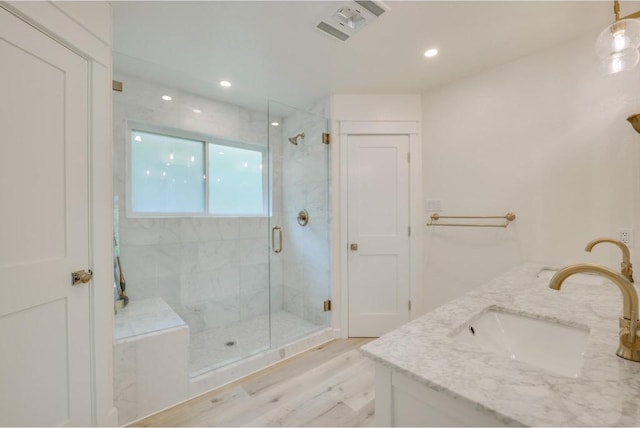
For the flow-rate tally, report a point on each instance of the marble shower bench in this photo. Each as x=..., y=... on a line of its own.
x=151, y=359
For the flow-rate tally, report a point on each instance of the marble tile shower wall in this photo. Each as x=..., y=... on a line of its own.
x=306, y=182
x=212, y=271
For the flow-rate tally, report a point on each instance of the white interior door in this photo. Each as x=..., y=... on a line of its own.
x=378, y=223
x=44, y=234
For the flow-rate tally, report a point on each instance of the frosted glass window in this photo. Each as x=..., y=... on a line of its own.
x=195, y=175
x=236, y=180
x=167, y=174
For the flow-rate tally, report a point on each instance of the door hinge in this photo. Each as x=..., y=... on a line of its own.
x=409, y=304
x=409, y=230
x=327, y=305
x=326, y=138
x=408, y=157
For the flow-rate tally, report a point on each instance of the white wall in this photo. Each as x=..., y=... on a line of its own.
x=544, y=137
x=375, y=107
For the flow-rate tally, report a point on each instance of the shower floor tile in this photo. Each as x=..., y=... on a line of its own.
x=216, y=347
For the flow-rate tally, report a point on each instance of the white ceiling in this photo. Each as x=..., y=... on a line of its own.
x=271, y=49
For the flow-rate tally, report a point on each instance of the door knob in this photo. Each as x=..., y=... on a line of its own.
x=353, y=247
x=81, y=277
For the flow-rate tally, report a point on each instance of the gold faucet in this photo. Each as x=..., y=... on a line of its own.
x=625, y=267
x=629, y=347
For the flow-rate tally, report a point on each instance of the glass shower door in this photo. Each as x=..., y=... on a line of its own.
x=206, y=262
x=299, y=222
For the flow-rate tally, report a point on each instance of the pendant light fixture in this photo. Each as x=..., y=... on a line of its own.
x=617, y=45
x=634, y=119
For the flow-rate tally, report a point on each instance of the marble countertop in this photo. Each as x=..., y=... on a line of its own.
x=606, y=393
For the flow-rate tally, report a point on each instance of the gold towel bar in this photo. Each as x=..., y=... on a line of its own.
x=508, y=219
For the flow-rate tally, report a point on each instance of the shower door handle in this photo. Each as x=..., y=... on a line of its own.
x=277, y=250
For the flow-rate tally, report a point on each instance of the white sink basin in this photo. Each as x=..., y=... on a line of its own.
x=543, y=343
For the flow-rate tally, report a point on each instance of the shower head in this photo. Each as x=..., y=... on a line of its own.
x=294, y=140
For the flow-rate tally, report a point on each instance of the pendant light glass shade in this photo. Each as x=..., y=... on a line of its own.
x=618, y=36
x=620, y=61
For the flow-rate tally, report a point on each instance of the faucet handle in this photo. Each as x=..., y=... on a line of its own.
x=626, y=268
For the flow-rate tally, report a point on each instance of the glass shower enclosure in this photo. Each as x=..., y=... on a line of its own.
x=299, y=222
x=222, y=215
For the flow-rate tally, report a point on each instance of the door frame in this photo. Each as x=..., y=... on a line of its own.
x=341, y=292
x=92, y=41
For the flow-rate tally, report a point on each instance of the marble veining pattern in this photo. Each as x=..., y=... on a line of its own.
x=214, y=271
x=604, y=394
x=218, y=273
x=150, y=353
x=306, y=255
x=198, y=265
x=143, y=317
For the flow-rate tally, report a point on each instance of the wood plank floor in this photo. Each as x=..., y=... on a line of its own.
x=330, y=385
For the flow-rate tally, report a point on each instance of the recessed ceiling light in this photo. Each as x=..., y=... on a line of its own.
x=225, y=83
x=274, y=124
x=195, y=110
x=166, y=98
x=430, y=53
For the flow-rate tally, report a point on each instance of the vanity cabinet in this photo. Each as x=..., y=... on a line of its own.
x=401, y=401
x=425, y=376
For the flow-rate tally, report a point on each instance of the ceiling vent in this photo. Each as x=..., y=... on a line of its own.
x=347, y=18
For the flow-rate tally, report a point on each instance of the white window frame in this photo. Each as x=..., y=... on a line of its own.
x=206, y=140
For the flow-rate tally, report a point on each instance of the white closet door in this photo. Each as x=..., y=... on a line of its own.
x=45, y=374
x=378, y=222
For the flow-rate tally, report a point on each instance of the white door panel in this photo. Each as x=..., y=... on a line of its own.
x=44, y=320
x=378, y=222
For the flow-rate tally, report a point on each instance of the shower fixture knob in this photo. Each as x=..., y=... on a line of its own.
x=303, y=218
